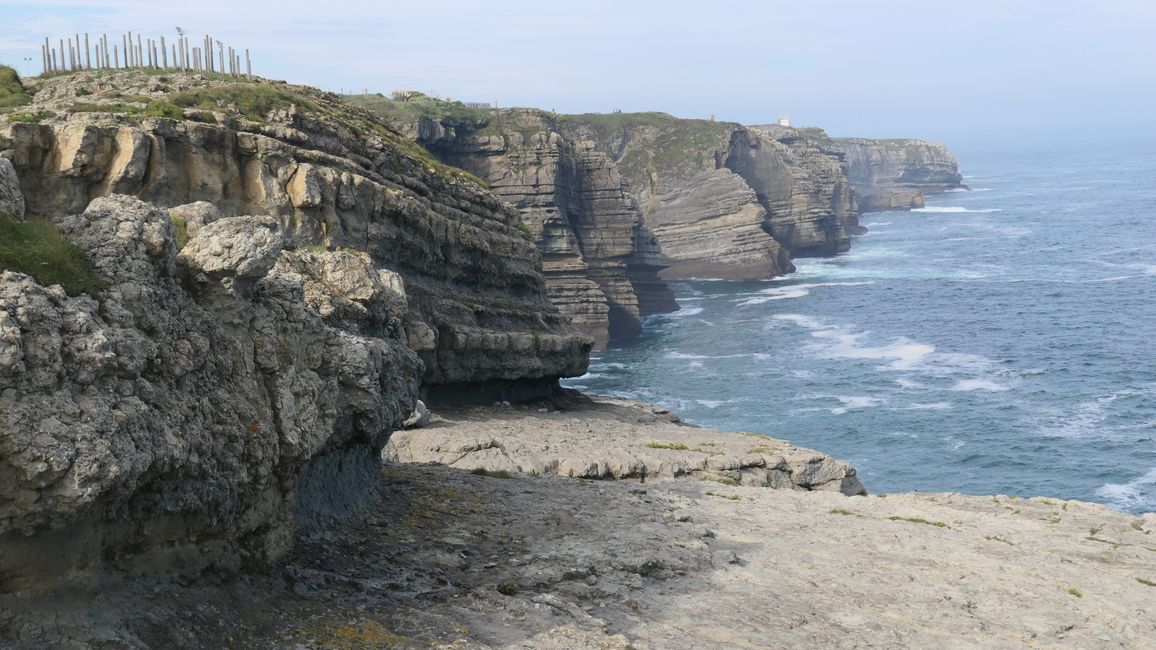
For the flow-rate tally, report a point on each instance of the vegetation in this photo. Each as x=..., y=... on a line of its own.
x=919, y=520
x=181, y=227
x=12, y=92
x=725, y=480
x=482, y=471
x=841, y=511
x=1146, y=582
x=1075, y=592
x=509, y=588
x=132, y=106
x=732, y=497
x=37, y=248
x=252, y=100
x=676, y=446
x=997, y=538
x=29, y=117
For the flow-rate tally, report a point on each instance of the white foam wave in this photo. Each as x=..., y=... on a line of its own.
x=932, y=406
x=876, y=223
x=856, y=402
x=978, y=384
x=901, y=354
x=793, y=291
x=951, y=209
x=1137, y=495
x=687, y=311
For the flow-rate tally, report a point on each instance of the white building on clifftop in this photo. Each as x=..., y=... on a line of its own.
x=784, y=120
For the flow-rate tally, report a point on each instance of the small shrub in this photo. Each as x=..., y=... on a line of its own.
x=509, y=588
x=482, y=471
x=37, y=248
x=181, y=228
x=1075, y=592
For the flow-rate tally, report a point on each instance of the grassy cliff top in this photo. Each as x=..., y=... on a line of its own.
x=242, y=103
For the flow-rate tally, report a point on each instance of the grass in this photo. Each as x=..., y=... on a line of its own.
x=732, y=497
x=920, y=520
x=676, y=446
x=254, y=101
x=181, y=227
x=37, y=248
x=1148, y=583
x=28, y=117
x=1075, y=592
x=841, y=511
x=997, y=538
x=725, y=480
x=12, y=92
x=482, y=471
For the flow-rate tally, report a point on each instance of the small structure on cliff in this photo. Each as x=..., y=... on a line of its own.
x=784, y=120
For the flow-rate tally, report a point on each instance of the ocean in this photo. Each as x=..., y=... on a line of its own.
x=999, y=341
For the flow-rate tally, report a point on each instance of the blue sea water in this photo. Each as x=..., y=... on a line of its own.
x=1000, y=341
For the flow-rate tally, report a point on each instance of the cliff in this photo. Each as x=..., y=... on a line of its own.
x=894, y=174
x=222, y=378
x=600, y=259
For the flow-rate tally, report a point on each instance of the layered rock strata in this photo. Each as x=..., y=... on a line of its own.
x=895, y=174
x=331, y=176
x=600, y=260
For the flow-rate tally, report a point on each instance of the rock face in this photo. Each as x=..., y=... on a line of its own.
x=175, y=421
x=599, y=259
x=333, y=177
x=894, y=174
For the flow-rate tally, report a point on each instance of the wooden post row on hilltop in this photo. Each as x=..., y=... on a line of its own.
x=75, y=53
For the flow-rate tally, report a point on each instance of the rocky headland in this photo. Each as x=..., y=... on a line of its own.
x=220, y=303
x=619, y=203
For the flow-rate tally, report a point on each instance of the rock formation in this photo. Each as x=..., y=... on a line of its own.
x=894, y=174
x=280, y=278
x=332, y=176
x=174, y=421
x=599, y=258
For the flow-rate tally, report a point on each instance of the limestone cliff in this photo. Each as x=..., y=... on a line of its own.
x=232, y=376
x=600, y=259
x=729, y=201
x=332, y=176
x=894, y=174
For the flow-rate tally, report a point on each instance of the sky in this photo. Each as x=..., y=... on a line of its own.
x=875, y=68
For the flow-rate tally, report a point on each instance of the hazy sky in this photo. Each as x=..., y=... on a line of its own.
x=872, y=67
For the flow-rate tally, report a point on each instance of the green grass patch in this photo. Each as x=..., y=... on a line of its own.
x=997, y=538
x=254, y=101
x=37, y=248
x=920, y=520
x=501, y=473
x=676, y=446
x=841, y=511
x=509, y=588
x=181, y=228
x=1075, y=592
x=1146, y=582
x=29, y=117
x=12, y=92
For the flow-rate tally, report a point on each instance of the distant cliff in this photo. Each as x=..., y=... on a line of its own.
x=619, y=202
x=895, y=174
